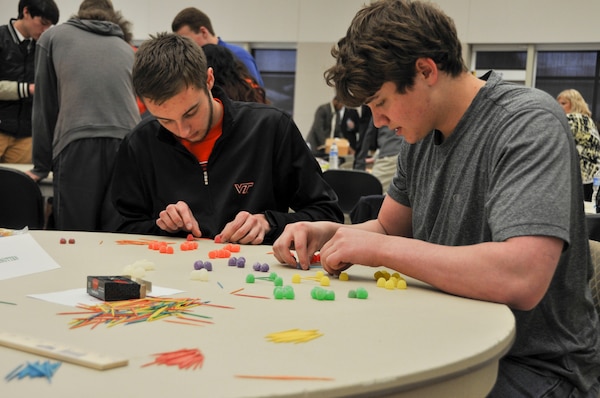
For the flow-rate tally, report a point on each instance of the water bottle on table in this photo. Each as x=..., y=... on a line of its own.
x=333, y=155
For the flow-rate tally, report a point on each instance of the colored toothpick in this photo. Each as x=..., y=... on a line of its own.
x=184, y=359
x=284, y=377
x=142, y=310
x=293, y=336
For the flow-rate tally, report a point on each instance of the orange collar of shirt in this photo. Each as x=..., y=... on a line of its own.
x=203, y=149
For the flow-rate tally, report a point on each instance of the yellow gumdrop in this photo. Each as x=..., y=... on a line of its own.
x=197, y=275
x=148, y=265
x=401, y=284
x=325, y=281
x=393, y=280
x=344, y=276
x=377, y=275
x=386, y=275
x=128, y=270
x=319, y=274
x=381, y=282
x=396, y=275
x=296, y=278
x=389, y=284
x=138, y=272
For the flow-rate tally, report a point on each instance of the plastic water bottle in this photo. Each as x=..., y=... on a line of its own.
x=595, y=198
x=333, y=156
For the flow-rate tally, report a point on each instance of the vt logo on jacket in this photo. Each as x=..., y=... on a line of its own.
x=243, y=187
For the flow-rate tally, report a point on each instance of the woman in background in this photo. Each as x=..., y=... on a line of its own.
x=586, y=136
x=232, y=75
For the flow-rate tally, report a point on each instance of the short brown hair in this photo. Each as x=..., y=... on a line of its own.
x=194, y=18
x=383, y=43
x=166, y=64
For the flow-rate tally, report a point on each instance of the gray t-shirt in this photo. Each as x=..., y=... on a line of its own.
x=510, y=169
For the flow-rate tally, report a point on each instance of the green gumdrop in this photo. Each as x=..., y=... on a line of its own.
x=362, y=293
x=330, y=295
x=352, y=294
x=278, y=293
x=321, y=293
x=250, y=278
x=313, y=292
x=272, y=276
x=288, y=292
x=278, y=281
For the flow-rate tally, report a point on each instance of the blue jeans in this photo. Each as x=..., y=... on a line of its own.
x=518, y=381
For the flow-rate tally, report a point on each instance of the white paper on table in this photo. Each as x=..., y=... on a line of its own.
x=73, y=297
x=22, y=255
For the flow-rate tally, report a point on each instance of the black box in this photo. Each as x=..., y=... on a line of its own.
x=114, y=288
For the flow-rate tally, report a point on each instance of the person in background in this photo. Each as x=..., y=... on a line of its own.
x=84, y=106
x=17, y=53
x=345, y=123
x=232, y=75
x=586, y=136
x=364, y=122
x=193, y=23
x=386, y=145
x=208, y=166
x=486, y=203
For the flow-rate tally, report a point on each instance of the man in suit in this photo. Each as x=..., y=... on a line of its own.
x=345, y=123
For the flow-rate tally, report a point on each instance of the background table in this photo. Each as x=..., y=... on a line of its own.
x=405, y=343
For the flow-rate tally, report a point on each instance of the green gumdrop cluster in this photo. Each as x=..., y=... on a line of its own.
x=284, y=292
x=360, y=293
x=318, y=293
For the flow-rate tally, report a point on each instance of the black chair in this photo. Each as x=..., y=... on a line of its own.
x=593, y=226
x=351, y=185
x=21, y=201
x=366, y=209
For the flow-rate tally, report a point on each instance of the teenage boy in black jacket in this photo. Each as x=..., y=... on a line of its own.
x=207, y=165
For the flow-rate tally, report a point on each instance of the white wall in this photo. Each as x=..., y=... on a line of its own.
x=313, y=26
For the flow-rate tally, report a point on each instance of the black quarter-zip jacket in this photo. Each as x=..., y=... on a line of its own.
x=260, y=164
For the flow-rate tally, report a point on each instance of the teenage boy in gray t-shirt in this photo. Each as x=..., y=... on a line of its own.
x=487, y=201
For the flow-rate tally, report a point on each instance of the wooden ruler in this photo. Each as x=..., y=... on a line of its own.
x=60, y=352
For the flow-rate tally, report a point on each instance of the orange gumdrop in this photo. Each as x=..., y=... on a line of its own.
x=234, y=248
x=223, y=253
